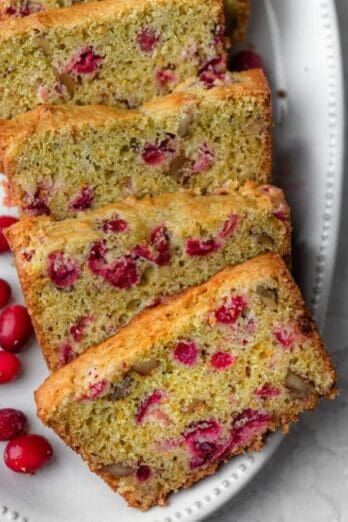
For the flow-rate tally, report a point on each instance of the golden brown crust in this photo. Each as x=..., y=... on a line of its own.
x=116, y=355
x=72, y=16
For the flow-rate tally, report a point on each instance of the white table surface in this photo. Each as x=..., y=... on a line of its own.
x=307, y=478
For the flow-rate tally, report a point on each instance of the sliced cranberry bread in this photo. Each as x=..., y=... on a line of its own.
x=188, y=384
x=236, y=11
x=116, y=52
x=62, y=159
x=85, y=277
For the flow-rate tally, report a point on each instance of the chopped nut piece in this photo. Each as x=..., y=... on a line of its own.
x=297, y=386
x=269, y=296
x=146, y=367
x=120, y=390
x=44, y=45
x=119, y=469
x=69, y=83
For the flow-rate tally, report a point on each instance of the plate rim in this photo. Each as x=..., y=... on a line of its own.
x=200, y=508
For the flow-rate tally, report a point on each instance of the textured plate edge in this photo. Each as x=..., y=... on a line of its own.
x=326, y=255
x=325, y=261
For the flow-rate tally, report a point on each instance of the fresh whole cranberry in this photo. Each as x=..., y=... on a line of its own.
x=62, y=269
x=15, y=328
x=245, y=60
x=186, y=353
x=12, y=423
x=10, y=367
x=5, y=293
x=147, y=40
x=5, y=221
x=27, y=453
x=201, y=247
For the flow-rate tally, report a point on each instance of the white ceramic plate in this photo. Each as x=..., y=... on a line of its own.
x=299, y=42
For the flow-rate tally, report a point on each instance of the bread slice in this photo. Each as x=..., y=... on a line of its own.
x=189, y=384
x=84, y=278
x=62, y=159
x=115, y=52
x=237, y=12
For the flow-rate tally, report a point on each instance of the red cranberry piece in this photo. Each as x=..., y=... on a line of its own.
x=245, y=60
x=12, y=423
x=123, y=273
x=36, y=205
x=204, y=159
x=159, y=240
x=229, y=227
x=201, y=247
x=114, y=224
x=66, y=354
x=77, y=329
x=201, y=439
x=83, y=200
x=147, y=39
x=143, y=472
x=10, y=367
x=148, y=405
x=267, y=391
x=222, y=360
x=96, y=389
x=164, y=77
x=62, y=269
x=27, y=453
x=186, y=352
x=15, y=328
x=5, y=293
x=152, y=155
x=212, y=70
x=86, y=61
x=284, y=335
x=280, y=213
x=5, y=221
x=233, y=308
x=11, y=11
x=246, y=425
